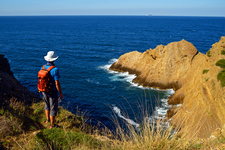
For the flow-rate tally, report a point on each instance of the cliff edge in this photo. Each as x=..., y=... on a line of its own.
x=193, y=76
x=11, y=88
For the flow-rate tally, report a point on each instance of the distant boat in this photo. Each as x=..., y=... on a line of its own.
x=149, y=15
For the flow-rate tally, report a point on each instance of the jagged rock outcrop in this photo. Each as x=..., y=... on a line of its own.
x=10, y=87
x=164, y=67
x=191, y=74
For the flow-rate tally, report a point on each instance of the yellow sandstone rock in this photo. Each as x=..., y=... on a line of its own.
x=191, y=74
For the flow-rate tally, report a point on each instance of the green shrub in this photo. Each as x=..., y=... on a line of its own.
x=221, y=77
x=221, y=63
x=2, y=111
x=223, y=52
x=205, y=71
x=208, y=54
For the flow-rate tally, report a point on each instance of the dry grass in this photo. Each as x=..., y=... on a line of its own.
x=22, y=127
x=12, y=118
x=152, y=134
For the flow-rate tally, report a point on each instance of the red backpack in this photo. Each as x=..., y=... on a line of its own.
x=44, y=84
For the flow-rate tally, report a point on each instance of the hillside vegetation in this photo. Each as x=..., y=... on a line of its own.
x=23, y=127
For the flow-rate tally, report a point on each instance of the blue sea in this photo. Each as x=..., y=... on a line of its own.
x=88, y=45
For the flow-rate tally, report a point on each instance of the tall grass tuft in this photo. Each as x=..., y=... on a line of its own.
x=151, y=134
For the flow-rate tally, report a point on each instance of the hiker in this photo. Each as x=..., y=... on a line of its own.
x=51, y=95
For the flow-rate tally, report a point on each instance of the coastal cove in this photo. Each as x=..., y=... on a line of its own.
x=88, y=45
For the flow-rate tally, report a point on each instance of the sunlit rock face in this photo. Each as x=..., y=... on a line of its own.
x=191, y=74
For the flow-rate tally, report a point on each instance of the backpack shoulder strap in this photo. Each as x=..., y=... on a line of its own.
x=43, y=67
x=50, y=68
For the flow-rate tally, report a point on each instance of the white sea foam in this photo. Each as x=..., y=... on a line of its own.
x=170, y=92
x=164, y=100
x=130, y=78
x=178, y=105
x=92, y=81
x=160, y=112
x=117, y=76
x=112, y=61
x=138, y=86
x=118, y=112
x=105, y=67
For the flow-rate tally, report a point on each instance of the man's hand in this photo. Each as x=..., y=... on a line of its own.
x=58, y=86
x=61, y=96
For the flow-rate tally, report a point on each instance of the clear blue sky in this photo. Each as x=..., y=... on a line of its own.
x=113, y=7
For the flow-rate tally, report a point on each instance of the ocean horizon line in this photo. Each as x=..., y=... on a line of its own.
x=145, y=15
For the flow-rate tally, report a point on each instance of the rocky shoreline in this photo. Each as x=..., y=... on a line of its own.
x=191, y=74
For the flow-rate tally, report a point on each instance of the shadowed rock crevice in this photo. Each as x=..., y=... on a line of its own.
x=194, y=56
x=120, y=68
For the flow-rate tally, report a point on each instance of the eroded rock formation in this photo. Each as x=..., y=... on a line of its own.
x=191, y=74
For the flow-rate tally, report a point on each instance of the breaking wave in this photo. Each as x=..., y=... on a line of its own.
x=130, y=121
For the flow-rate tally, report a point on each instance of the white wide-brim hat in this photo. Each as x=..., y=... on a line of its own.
x=50, y=57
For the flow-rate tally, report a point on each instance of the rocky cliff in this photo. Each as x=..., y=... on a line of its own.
x=10, y=87
x=191, y=74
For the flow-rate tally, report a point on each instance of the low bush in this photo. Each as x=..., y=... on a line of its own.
x=221, y=77
x=223, y=52
x=208, y=54
x=205, y=71
x=221, y=63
